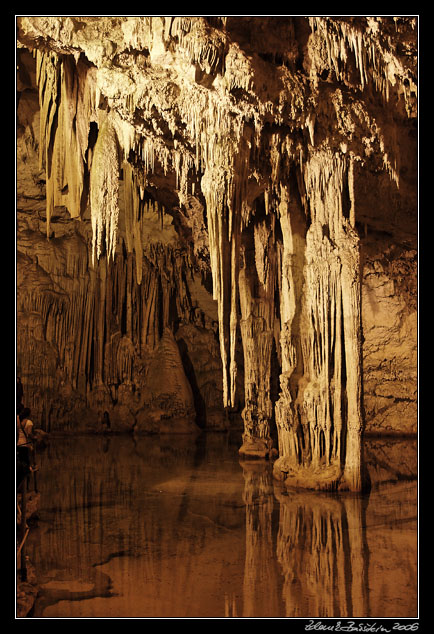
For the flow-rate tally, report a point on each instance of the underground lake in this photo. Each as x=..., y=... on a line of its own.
x=181, y=527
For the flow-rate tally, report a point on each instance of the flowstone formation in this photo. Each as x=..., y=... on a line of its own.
x=238, y=156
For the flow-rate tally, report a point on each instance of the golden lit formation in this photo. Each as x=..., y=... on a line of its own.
x=217, y=231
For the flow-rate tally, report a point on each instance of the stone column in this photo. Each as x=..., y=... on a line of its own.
x=256, y=284
x=319, y=413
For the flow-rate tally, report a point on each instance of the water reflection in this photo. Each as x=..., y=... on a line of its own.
x=172, y=527
x=321, y=546
x=261, y=574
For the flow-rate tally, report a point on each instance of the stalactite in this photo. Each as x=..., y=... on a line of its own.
x=47, y=66
x=133, y=231
x=67, y=106
x=195, y=42
x=373, y=61
x=224, y=186
x=104, y=190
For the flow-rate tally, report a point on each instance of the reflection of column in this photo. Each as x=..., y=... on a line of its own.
x=359, y=553
x=260, y=593
x=321, y=546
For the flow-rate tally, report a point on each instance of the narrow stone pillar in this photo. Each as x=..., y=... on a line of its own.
x=256, y=284
x=351, y=294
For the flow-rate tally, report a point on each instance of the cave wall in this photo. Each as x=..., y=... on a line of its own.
x=390, y=326
x=108, y=335
x=91, y=340
x=234, y=198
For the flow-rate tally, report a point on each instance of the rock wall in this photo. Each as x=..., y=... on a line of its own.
x=250, y=179
x=92, y=339
x=390, y=328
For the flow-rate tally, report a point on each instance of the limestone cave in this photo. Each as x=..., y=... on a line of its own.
x=217, y=244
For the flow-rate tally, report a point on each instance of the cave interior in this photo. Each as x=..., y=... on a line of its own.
x=217, y=229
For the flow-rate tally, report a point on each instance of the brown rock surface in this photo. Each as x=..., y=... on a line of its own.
x=390, y=323
x=168, y=393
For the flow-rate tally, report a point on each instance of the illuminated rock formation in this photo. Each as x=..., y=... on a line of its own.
x=262, y=147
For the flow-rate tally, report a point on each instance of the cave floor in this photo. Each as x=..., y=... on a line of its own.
x=180, y=527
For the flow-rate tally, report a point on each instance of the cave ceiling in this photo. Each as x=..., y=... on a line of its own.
x=180, y=90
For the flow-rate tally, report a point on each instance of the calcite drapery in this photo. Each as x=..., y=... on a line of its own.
x=269, y=134
x=67, y=96
x=104, y=189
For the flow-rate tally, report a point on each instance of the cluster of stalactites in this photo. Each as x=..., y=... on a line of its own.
x=224, y=151
x=69, y=103
x=104, y=191
x=328, y=181
x=138, y=208
x=223, y=202
x=79, y=170
x=373, y=61
x=195, y=41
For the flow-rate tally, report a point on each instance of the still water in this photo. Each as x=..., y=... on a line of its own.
x=180, y=527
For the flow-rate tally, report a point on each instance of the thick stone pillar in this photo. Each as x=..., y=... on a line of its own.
x=319, y=412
